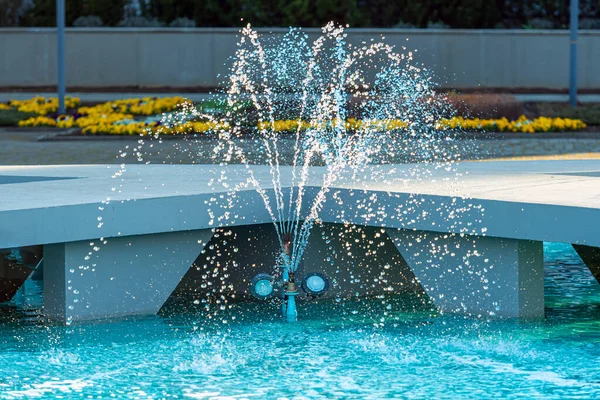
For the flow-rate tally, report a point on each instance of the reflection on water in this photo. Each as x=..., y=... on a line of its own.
x=371, y=349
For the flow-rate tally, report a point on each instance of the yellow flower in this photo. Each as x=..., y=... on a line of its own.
x=117, y=118
x=136, y=106
x=38, y=121
x=41, y=105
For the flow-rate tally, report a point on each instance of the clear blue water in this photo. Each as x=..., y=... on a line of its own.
x=338, y=350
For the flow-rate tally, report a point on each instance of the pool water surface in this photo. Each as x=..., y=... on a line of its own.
x=371, y=349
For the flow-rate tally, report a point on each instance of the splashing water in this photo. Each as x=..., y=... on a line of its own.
x=304, y=118
x=334, y=352
x=343, y=104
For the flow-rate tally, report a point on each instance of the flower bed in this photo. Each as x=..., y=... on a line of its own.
x=41, y=105
x=522, y=124
x=100, y=119
x=135, y=106
x=141, y=116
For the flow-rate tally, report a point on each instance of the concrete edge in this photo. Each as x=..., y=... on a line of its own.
x=70, y=135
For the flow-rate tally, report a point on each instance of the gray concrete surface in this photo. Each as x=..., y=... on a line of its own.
x=446, y=222
x=98, y=57
x=482, y=276
x=128, y=277
x=21, y=147
x=100, y=97
x=507, y=199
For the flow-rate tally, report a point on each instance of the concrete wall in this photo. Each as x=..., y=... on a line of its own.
x=195, y=57
x=370, y=266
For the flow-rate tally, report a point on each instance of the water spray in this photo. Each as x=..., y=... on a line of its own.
x=312, y=92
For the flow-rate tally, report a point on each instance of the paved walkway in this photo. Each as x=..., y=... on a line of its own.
x=21, y=147
x=104, y=97
x=101, y=97
x=573, y=156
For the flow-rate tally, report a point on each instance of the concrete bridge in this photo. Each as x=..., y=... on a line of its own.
x=470, y=235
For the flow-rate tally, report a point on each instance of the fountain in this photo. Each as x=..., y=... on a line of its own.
x=339, y=105
x=320, y=130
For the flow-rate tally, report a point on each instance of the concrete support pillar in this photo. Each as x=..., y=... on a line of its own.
x=125, y=276
x=591, y=257
x=478, y=276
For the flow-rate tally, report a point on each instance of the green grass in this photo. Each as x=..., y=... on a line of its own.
x=12, y=117
x=588, y=113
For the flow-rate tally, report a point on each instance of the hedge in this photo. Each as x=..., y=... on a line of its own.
x=315, y=13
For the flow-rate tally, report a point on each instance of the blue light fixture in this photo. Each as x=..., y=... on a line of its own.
x=315, y=284
x=262, y=287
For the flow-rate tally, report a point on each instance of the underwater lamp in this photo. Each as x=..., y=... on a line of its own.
x=315, y=284
x=262, y=286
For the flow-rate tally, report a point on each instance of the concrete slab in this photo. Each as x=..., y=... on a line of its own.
x=539, y=200
x=517, y=205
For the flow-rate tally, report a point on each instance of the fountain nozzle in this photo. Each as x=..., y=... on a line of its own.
x=290, y=291
x=290, y=285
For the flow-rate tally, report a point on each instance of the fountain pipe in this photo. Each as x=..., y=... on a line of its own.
x=284, y=278
x=288, y=308
x=291, y=292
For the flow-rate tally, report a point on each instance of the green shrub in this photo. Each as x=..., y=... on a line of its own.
x=465, y=14
x=587, y=112
x=182, y=23
x=43, y=12
x=404, y=25
x=437, y=25
x=140, y=22
x=540, y=23
x=88, y=21
x=12, y=117
x=10, y=12
x=589, y=23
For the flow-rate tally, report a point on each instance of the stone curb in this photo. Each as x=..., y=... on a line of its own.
x=69, y=135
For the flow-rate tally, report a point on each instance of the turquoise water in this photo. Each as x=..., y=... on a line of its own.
x=374, y=349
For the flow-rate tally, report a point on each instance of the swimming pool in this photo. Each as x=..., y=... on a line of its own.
x=373, y=349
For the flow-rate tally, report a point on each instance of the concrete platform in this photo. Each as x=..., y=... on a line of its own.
x=555, y=201
x=520, y=203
